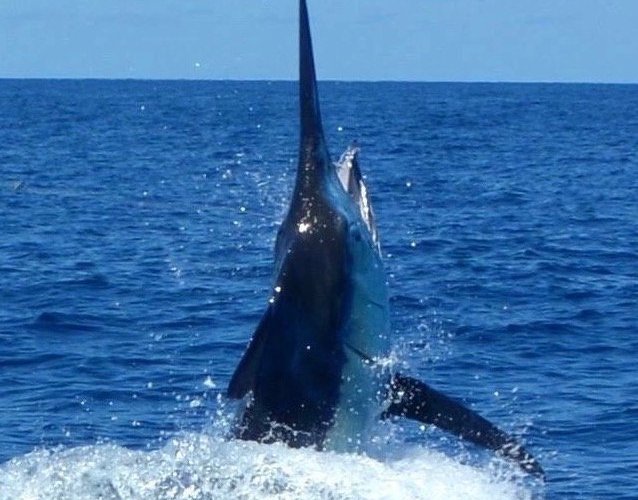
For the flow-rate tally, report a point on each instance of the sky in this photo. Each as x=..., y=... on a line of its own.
x=405, y=40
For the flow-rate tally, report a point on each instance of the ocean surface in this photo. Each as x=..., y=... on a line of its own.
x=138, y=220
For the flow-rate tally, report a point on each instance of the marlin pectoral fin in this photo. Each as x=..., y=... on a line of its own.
x=416, y=400
x=244, y=377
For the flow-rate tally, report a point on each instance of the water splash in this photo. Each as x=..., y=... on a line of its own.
x=201, y=466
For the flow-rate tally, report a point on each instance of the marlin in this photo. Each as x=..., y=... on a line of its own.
x=313, y=374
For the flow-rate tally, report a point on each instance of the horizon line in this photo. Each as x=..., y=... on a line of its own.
x=327, y=80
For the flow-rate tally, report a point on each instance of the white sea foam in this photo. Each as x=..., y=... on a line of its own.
x=200, y=466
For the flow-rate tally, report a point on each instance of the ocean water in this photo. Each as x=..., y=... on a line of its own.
x=138, y=220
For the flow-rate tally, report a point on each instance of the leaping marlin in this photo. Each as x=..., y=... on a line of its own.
x=312, y=374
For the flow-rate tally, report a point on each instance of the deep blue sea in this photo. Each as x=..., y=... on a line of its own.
x=138, y=220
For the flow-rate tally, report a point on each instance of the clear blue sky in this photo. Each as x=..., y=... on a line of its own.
x=428, y=40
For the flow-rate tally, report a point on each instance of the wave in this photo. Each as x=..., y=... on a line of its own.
x=60, y=322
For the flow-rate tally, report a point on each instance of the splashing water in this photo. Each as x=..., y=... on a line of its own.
x=201, y=466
